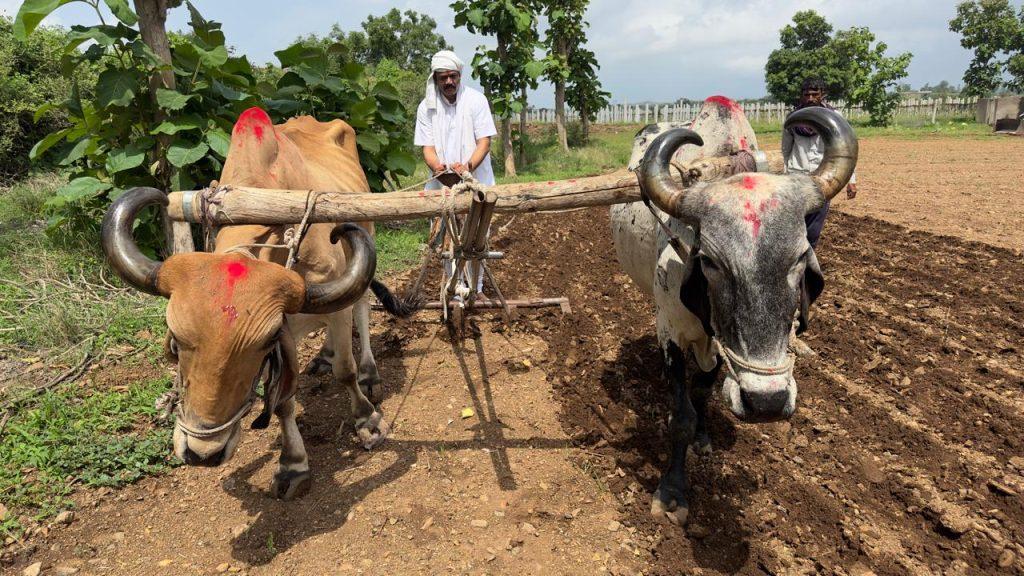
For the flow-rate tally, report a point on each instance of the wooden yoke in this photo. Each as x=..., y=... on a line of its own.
x=244, y=205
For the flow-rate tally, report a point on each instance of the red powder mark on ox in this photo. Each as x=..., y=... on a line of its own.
x=748, y=182
x=253, y=120
x=232, y=313
x=752, y=215
x=743, y=143
x=725, y=102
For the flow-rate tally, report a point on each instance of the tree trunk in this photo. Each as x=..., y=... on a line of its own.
x=522, y=132
x=152, y=20
x=506, y=147
x=585, y=124
x=563, y=139
x=506, y=122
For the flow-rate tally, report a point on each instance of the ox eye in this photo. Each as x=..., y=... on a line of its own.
x=708, y=263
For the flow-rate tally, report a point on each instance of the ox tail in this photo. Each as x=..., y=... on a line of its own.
x=402, y=307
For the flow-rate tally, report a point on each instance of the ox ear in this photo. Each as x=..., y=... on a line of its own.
x=810, y=288
x=694, y=294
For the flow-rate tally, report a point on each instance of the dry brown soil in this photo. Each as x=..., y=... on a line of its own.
x=905, y=456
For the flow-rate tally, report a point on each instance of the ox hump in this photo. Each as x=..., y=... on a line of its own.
x=253, y=124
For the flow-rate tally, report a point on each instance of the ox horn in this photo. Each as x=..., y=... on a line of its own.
x=655, y=177
x=840, y=159
x=343, y=292
x=124, y=255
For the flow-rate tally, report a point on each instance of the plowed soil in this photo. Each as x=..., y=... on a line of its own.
x=904, y=457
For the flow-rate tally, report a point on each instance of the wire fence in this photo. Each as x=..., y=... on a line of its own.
x=626, y=113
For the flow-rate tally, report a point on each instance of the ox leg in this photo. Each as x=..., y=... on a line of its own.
x=700, y=391
x=368, y=375
x=669, y=500
x=292, y=479
x=322, y=362
x=370, y=425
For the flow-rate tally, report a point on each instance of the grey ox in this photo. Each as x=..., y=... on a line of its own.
x=741, y=272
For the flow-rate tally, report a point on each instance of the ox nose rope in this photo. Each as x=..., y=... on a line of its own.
x=271, y=366
x=731, y=360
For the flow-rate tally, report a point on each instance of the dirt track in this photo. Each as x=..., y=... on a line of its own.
x=905, y=455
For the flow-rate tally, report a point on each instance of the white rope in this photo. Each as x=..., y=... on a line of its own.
x=729, y=358
x=292, y=236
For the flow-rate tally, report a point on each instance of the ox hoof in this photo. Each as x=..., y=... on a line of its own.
x=372, y=431
x=674, y=509
x=702, y=445
x=317, y=367
x=290, y=484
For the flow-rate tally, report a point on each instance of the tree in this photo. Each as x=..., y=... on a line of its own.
x=112, y=141
x=565, y=34
x=943, y=88
x=583, y=91
x=996, y=35
x=408, y=40
x=509, y=67
x=850, y=62
x=31, y=75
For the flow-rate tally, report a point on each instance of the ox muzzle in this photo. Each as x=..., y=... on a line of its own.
x=215, y=445
x=758, y=393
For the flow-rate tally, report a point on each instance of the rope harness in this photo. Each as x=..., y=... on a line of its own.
x=292, y=236
x=272, y=368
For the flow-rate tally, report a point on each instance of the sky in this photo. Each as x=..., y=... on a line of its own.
x=648, y=50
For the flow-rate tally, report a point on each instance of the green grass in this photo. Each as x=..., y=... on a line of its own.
x=398, y=247
x=74, y=437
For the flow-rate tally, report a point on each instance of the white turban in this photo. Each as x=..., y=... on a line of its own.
x=443, y=60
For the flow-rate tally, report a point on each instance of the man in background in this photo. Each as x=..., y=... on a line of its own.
x=804, y=149
x=454, y=126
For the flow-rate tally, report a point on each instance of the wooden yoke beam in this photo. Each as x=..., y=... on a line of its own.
x=244, y=205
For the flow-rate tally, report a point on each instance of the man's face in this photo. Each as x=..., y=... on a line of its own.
x=812, y=96
x=448, y=82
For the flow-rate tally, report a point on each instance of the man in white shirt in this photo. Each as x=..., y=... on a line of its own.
x=454, y=126
x=454, y=123
x=803, y=149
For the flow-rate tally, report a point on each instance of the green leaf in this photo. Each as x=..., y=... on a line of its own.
x=535, y=68
x=401, y=162
x=103, y=34
x=364, y=107
x=84, y=187
x=46, y=143
x=131, y=156
x=41, y=111
x=122, y=11
x=175, y=125
x=369, y=142
x=32, y=13
x=475, y=17
x=75, y=152
x=172, y=99
x=213, y=58
x=183, y=153
x=115, y=87
x=219, y=141
x=295, y=54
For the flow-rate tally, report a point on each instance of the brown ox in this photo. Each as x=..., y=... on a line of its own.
x=234, y=316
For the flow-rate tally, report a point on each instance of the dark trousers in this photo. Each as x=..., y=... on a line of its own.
x=815, y=222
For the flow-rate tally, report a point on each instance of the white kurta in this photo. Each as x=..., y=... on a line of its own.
x=804, y=154
x=453, y=129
